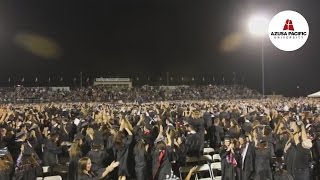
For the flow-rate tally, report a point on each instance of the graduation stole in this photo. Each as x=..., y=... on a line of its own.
x=147, y=132
x=162, y=153
x=231, y=159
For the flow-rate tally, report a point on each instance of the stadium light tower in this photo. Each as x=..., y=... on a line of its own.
x=258, y=26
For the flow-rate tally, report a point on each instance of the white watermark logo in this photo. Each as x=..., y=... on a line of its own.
x=288, y=30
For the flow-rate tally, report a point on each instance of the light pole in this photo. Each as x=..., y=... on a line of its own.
x=258, y=26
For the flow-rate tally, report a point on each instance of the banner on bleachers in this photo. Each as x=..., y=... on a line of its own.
x=112, y=80
x=60, y=88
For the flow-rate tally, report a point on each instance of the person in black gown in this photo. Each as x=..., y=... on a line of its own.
x=193, y=140
x=161, y=166
x=51, y=151
x=140, y=158
x=247, y=152
x=74, y=155
x=28, y=164
x=98, y=155
x=122, y=144
x=228, y=160
x=263, y=157
x=86, y=173
x=6, y=164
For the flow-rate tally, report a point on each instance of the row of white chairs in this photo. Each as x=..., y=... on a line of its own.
x=208, y=150
x=207, y=163
x=203, y=168
x=50, y=178
x=204, y=158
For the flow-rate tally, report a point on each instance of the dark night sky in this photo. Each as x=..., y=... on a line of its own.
x=127, y=38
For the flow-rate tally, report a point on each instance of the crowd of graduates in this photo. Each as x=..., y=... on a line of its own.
x=257, y=139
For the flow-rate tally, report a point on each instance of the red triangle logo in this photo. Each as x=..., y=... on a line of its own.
x=288, y=25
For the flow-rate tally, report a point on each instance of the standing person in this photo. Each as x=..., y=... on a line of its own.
x=263, y=155
x=6, y=164
x=140, y=158
x=21, y=137
x=27, y=165
x=85, y=172
x=51, y=151
x=193, y=140
x=197, y=123
x=247, y=158
x=228, y=160
x=217, y=133
x=74, y=155
x=161, y=166
x=98, y=155
x=297, y=152
x=234, y=129
x=121, y=145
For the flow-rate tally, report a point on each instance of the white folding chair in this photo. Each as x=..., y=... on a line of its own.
x=216, y=157
x=201, y=169
x=191, y=159
x=53, y=178
x=208, y=150
x=45, y=169
x=216, y=166
x=217, y=177
x=206, y=158
x=39, y=178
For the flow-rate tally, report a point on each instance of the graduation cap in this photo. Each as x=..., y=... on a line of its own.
x=227, y=137
x=20, y=134
x=84, y=124
x=78, y=136
x=115, y=126
x=4, y=151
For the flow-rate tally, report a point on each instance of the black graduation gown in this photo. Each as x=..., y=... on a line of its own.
x=199, y=124
x=15, y=149
x=248, y=165
x=73, y=169
x=37, y=145
x=50, y=153
x=262, y=164
x=122, y=156
x=5, y=175
x=215, y=134
x=140, y=159
x=98, y=159
x=87, y=145
x=228, y=170
x=30, y=174
x=27, y=169
x=193, y=145
x=282, y=176
x=90, y=176
x=161, y=169
x=297, y=161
